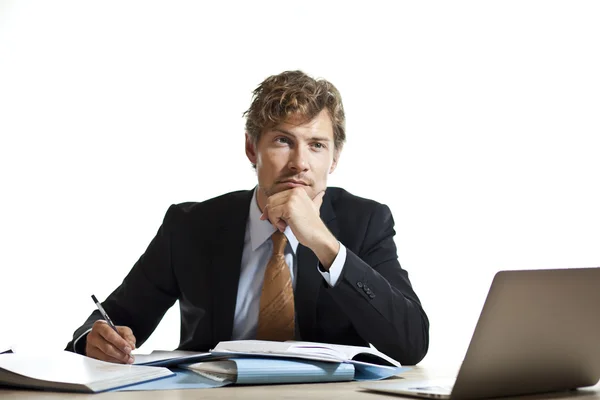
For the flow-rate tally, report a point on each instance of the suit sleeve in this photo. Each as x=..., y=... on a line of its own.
x=377, y=296
x=145, y=294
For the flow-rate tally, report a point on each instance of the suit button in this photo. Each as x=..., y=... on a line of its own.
x=359, y=284
x=372, y=295
x=368, y=291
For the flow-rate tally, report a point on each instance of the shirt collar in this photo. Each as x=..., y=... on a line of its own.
x=261, y=231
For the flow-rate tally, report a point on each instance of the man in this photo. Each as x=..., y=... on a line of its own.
x=291, y=259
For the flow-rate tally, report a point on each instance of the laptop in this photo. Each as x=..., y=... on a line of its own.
x=538, y=332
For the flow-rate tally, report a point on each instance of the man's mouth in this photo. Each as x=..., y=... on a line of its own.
x=293, y=182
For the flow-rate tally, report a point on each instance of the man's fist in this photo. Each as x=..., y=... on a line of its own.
x=104, y=344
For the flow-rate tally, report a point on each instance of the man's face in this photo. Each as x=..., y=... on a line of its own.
x=294, y=154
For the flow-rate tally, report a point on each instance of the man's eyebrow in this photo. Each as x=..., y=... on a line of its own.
x=320, y=139
x=284, y=131
x=313, y=138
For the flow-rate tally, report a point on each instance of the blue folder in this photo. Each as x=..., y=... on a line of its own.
x=260, y=371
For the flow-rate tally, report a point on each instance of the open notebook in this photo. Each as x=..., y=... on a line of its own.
x=66, y=371
x=289, y=349
x=305, y=350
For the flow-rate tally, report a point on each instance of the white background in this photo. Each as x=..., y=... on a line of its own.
x=478, y=123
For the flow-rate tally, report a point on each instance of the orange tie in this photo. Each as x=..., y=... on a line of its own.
x=276, y=315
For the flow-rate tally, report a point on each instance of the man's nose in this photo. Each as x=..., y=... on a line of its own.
x=298, y=161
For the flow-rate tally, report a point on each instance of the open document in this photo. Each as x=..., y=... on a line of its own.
x=72, y=372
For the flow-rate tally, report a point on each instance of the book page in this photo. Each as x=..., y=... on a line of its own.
x=278, y=349
x=71, y=369
x=308, y=350
x=357, y=353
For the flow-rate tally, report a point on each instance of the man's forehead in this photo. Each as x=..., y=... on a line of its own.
x=298, y=119
x=295, y=124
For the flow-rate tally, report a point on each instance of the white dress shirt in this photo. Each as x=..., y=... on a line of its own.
x=256, y=254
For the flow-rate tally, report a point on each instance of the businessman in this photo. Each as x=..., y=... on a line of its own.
x=290, y=259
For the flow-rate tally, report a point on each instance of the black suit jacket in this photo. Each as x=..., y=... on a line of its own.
x=196, y=255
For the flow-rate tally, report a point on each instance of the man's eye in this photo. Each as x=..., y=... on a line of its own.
x=318, y=145
x=282, y=140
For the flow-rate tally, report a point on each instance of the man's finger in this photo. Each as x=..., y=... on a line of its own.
x=111, y=351
x=114, y=339
x=98, y=347
x=98, y=354
x=274, y=215
x=127, y=334
x=281, y=225
x=265, y=214
x=282, y=197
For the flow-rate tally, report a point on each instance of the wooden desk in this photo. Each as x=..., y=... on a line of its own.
x=329, y=391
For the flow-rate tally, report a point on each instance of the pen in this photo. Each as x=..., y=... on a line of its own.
x=105, y=315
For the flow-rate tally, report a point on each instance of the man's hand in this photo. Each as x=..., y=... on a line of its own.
x=104, y=344
x=294, y=208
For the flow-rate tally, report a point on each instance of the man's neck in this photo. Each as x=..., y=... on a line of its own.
x=261, y=198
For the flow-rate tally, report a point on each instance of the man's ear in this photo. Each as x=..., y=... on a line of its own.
x=336, y=157
x=251, y=149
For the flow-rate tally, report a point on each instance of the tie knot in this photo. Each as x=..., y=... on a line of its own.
x=279, y=242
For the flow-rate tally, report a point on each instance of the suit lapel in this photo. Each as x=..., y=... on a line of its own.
x=309, y=280
x=228, y=245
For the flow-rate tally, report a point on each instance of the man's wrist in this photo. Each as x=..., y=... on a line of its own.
x=326, y=249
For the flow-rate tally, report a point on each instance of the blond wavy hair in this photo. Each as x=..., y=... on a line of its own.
x=293, y=93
